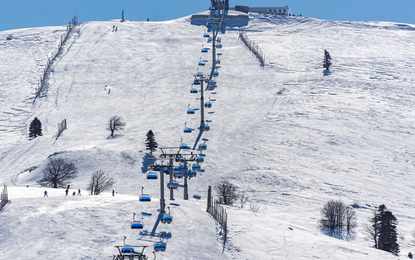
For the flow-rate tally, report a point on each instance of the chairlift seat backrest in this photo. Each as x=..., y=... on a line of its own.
x=145, y=198
x=136, y=225
x=152, y=176
x=127, y=250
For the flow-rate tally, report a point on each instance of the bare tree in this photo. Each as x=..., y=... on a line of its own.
x=227, y=192
x=115, y=124
x=336, y=215
x=243, y=199
x=58, y=173
x=99, y=182
x=350, y=219
x=253, y=207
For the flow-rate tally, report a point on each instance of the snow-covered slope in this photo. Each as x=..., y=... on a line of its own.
x=290, y=137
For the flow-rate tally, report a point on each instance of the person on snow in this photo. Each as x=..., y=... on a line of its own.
x=46, y=194
x=66, y=191
x=74, y=193
x=79, y=192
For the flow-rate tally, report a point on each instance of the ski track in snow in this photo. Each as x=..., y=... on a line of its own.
x=288, y=136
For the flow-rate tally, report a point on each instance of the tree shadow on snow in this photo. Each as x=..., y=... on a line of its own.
x=114, y=137
x=147, y=162
x=342, y=235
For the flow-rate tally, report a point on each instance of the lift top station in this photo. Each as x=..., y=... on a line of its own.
x=219, y=9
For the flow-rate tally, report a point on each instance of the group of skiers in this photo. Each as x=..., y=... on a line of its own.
x=74, y=193
x=114, y=28
x=66, y=192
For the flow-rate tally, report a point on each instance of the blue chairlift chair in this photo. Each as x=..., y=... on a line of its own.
x=166, y=218
x=160, y=246
x=196, y=167
x=202, y=146
x=190, y=111
x=144, y=197
x=172, y=185
x=136, y=224
x=178, y=174
x=152, y=175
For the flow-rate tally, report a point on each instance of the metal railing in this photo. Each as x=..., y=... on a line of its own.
x=215, y=209
x=253, y=47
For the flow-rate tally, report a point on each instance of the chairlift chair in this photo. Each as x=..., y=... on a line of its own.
x=183, y=168
x=136, y=224
x=196, y=167
x=190, y=111
x=187, y=129
x=167, y=218
x=151, y=175
x=200, y=159
x=144, y=197
x=178, y=174
x=215, y=74
x=201, y=63
x=172, y=185
x=160, y=246
x=202, y=146
x=208, y=104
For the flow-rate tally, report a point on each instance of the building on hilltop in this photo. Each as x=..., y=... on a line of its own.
x=263, y=10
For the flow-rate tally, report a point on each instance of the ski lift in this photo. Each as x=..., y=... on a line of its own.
x=151, y=175
x=201, y=63
x=215, y=74
x=206, y=128
x=187, y=129
x=190, y=111
x=208, y=104
x=200, y=159
x=160, y=246
x=183, y=146
x=136, y=224
x=194, y=91
x=217, y=61
x=144, y=197
x=166, y=171
x=187, y=174
x=209, y=26
x=206, y=35
x=205, y=50
x=218, y=46
x=166, y=218
x=202, y=146
x=212, y=8
x=172, y=185
x=178, y=174
x=183, y=168
x=211, y=87
x=196, y=167
x=130, y=252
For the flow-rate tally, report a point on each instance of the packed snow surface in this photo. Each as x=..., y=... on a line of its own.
x=289, y=135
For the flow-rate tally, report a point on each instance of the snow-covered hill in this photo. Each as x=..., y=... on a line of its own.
x=290, y=137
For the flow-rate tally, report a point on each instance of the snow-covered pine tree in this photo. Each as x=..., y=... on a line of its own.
x=35, y=128
x=383, y=230
x=151, y=143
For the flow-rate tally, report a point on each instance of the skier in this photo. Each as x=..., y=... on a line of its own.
x=74, y=193
x=112, y=192
x=46, y=194
x=79, y=192
x=66, y=191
